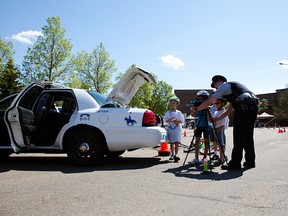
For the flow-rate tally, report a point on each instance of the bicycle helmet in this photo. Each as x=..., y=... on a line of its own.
x=203, y=93
x=175, y=99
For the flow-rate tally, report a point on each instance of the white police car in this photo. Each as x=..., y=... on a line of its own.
x=84, y=124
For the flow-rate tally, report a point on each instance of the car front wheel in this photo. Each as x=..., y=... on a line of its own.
x=5, y=153
x=85, y=147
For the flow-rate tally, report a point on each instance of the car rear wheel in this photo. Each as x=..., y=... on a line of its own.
x=85, y=147
x=114, y=154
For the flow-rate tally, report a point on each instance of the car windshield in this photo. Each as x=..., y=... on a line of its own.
x=100, y=98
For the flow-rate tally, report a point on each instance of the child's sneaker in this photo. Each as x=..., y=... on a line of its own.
x=215, y=157
x=171, y=159
x=218, y=163
x=194, y=161
x=176, y=159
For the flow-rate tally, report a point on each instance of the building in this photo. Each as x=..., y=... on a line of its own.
x=272, y=101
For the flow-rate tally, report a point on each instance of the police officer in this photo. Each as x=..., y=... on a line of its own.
x=245, y=105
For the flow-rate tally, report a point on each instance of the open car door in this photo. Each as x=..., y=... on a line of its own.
x=128, y=85
x=19, y=117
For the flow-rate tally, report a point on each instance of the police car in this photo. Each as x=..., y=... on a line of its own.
x=88, y=126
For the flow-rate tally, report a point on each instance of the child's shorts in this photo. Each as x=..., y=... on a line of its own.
x=221, y=136
x=199, y=130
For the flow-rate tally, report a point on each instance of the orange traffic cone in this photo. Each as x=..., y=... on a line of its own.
x=185, y=134
x=164, y=150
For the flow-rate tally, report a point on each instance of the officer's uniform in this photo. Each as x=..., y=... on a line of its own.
x=245, y=105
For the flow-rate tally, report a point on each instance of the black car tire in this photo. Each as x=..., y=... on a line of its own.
x=5, y=153
x=85, y=147
x=114, y=154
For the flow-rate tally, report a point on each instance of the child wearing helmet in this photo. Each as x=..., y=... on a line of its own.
x=174, y=120
x=202, y=126
x=220, y=126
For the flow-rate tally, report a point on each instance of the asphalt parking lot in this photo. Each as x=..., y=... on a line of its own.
x=143, y=183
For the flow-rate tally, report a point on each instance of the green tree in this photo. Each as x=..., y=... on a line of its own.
x=263, y=104
x=6, y=53
x=153, y=96
x=48, y=58
x=281, y=109
x=143, y=96
x=74, y=81
x=162, y=91
x=9, y=79
x=95, y=69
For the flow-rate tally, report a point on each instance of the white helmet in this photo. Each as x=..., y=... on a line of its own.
x=174, y=98
x=203, y=93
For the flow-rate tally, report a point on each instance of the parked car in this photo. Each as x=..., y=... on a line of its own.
x=88, y=126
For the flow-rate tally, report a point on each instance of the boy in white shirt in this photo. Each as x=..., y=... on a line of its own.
x=220, y=127
x=174, y=120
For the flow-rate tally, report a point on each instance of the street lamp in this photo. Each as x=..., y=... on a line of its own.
x=283, y=62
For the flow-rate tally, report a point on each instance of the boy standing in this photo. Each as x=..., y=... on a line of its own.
x=201, y=127
x=174, y=119
x=220, y=127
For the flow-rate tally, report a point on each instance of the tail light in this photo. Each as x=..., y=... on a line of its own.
x=149, y=118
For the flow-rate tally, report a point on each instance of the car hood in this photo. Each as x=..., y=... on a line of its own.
x=128, y=85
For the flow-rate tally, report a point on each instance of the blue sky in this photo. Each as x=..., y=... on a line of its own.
x=183, y=42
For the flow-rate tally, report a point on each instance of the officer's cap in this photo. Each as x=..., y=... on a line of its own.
x=217, y=78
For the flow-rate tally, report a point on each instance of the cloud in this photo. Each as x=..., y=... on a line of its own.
x=26, y=37
x=171, y=61
x=283, y=63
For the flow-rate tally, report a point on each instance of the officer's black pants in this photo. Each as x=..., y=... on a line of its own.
x=243, y=132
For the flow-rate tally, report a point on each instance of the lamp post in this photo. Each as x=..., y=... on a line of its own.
x=283, y=63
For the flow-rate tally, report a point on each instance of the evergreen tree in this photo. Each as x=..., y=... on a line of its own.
x=6, y=52
x=9, y=79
